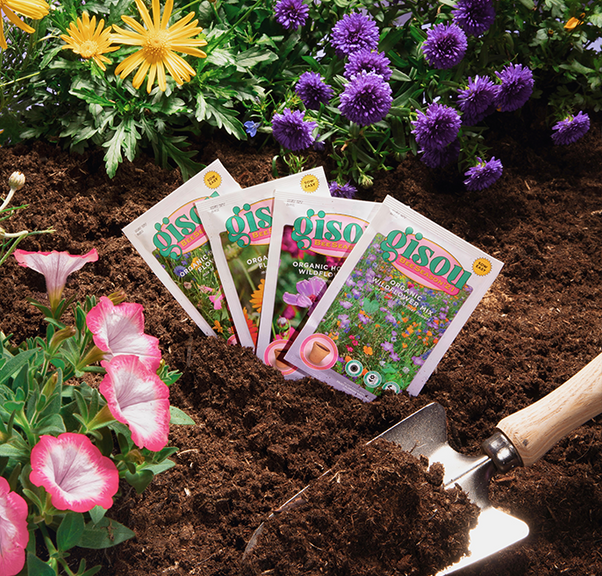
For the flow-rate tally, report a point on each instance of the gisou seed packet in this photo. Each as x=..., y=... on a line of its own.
x=239, y=227
x=395, y=306
x=172, y=241
x=311, y=237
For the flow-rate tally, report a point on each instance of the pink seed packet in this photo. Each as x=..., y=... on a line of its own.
x=311, y=237
x=172, y=241
x=239, y=227
x=395, y=306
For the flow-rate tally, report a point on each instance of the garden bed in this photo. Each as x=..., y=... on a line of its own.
x=258, y=439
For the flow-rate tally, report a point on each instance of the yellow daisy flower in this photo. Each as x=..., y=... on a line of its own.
x=89, y=41
x=35, y=9
x=158, y=46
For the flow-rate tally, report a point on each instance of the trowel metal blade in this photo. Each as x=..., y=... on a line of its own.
x=424, y=433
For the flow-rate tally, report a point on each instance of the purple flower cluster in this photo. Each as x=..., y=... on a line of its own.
x=292, y=131
x=445, y=45
x=366, y=99
x=516, y=87
x=313, y=91
x=476, y=101
x=291, y=13
x=475, y=17
x=368, y=61
x=437, y=127
x=342, y=190
x=354, y=32
x=484, y=174
x=570, y=129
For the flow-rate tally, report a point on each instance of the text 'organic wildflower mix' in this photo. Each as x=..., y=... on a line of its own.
x=172, y=240
x=311, y=237
x=394, y=308
x=239, y=228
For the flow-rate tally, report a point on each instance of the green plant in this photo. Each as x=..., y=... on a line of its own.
x=64, y=443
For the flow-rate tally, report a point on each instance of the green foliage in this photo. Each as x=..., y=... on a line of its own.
x=42, y=393
x=253, y=64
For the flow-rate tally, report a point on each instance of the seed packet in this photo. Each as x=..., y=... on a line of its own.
x=395, y=306
x=311, y=237
x=172, y=241
x=239, y=228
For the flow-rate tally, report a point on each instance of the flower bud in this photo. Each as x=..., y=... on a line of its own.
x=62, y=335
x=16, y=181
x=366, y=181
x=118, y=296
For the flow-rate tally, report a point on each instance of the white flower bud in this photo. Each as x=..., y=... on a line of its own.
x=16, y=181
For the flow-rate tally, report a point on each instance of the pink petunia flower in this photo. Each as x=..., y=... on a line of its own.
x=119, y=330
x=139, y=398
x=55, y=266
x=13, y=530
x=74, y=472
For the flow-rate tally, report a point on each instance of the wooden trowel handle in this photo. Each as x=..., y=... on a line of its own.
x=535, y=429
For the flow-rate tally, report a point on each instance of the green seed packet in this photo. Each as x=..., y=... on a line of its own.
x=395, y=306
x=239, y=227
x=172, y=241
x=311, y=237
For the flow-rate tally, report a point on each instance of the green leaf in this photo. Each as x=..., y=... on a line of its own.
x=52, y=424
x=140, y=480
x=15, y=364
x=528, y=4
x=97, y=514
x=35, y=567
x=255, y=55
x=113, y=156
x=179, y=417
x=161, y=467
x=104, y=534
x=70, y=531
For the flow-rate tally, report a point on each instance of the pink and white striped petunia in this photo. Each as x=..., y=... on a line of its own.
x=139, y=398
x=74, y=472
x=13, y=530
x=55, y=266
x=119, y=330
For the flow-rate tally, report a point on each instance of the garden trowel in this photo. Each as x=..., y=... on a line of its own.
x=520, y=440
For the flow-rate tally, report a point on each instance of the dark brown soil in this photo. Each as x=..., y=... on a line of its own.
x=258, y=439
x=379, y=510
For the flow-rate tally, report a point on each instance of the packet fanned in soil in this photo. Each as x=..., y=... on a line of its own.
x=239, y=228
x=172, y=240
x=395, y=306
x=311, y=237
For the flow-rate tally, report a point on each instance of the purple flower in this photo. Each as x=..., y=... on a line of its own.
x=342, y=190
x=476, y=101
x=291, y=13
x=439, y=158
x=346, y=304
x=570, y=129
x=180, y=271
x=475, y=17
x=390, y=318
x=356, y=293
x=292, y=131
x=387, y=347
x=368, y=61
x=353, y=33
x=251, y=127
x=366, y=99
x=436, y=128
x=515, y=89
x=313, y=91
x=445, y=45
x=308, y=291
x=484, y=174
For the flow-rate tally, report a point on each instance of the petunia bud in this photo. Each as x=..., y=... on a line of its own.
x=16, y=181
x=61, y=335
x=118, y=296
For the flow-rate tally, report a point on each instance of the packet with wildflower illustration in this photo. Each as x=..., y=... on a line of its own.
x=171, y=239
x=311, y=237
x=239, y=228
x=395, y=306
